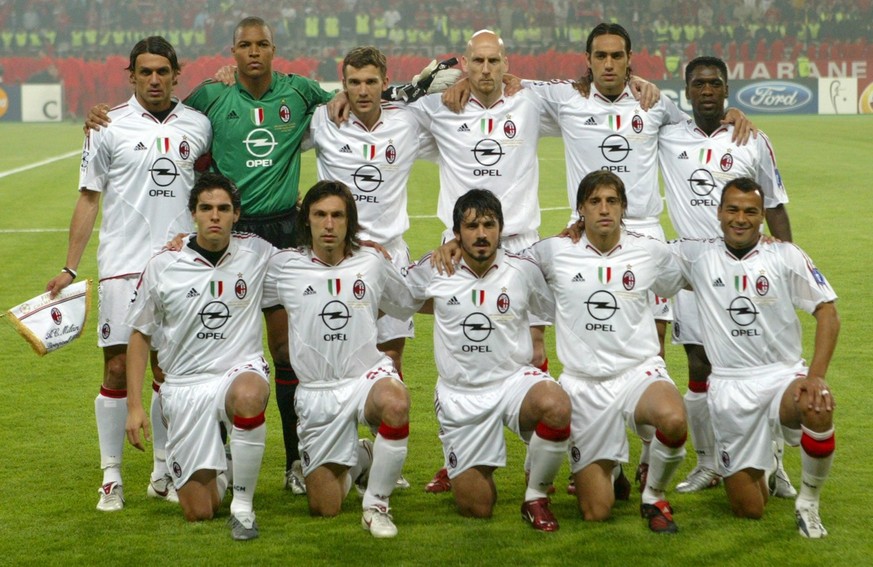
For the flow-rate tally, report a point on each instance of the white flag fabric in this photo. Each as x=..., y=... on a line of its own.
x=48, y=324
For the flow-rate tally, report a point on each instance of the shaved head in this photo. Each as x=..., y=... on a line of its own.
x=485, y=37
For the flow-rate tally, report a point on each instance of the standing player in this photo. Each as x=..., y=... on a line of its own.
x=259, y=124
x=372, y=153
x=207, y=298
x=492, y=144
x=143, y=165
x=483, y=350
x=748, y=292
x=333, y=291
x=608, y=344
x=697, y=157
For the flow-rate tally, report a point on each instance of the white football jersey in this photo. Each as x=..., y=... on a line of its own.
x=696, y=167
x=375, y=164
x=617, y=136
x=209, y=316
x=491, y=148
x=747, y=307
x=145, y=170
x=482, y=328
x=332, y=310
x=603, y=321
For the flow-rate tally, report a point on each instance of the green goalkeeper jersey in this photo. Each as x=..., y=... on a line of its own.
x=256, y=143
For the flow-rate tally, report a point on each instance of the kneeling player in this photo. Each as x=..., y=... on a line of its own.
x=333, y=291
x=205, y=299
x=483, y=350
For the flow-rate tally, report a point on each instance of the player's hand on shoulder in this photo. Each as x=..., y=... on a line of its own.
x=176, y=243
x=511, y=84
x=648, y=94
x=98, y=117
x=226, y=75
x=377, y=247
x=744, y=129
x=574, y=231
x=456, y=96
x=446, y=257
x=338, y=108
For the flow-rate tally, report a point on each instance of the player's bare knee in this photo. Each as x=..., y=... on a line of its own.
x=115, y=372
x=198, y=510
x=324, y=507
x=673, y=426
x=595, y=511
x=475, y=507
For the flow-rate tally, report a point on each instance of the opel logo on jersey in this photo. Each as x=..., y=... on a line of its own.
x=615, y=148
x=367, y=178
x=260, y=142
x=742, y=311
x=701, y=182
x=164, y=172
x=335, y=315
x=477, y=327
x=487, y=152
x=214, y=315
x=601, y=305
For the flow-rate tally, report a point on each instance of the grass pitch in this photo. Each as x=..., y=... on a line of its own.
x=48, y=438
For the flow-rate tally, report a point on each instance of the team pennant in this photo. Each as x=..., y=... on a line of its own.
x=48, y=324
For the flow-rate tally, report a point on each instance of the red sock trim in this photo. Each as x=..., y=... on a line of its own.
x=698, y=386
x=285, y=376
x=394, y=433
x=115, y=394
x=156, y=388
x=248, y=422
x=552, y=434
x=672, y=444
x=544, y=366
x=815, y=448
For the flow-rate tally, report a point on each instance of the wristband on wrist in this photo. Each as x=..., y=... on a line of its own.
x=70, y=271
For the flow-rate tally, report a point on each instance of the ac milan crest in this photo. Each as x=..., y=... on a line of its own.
x=240, y=288
x=105, y=330
x=637, y=123
x=359, y=289
x=184, y=150
x=509, y=129
x=503, y=303
x=628, y=280
x=727, y=162
x=390, y=154
x=284, y=113
x=762, y=285
x=56, y=315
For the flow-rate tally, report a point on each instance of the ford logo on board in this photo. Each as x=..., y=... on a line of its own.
x=775, y=96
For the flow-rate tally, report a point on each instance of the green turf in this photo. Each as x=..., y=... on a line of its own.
x=50, y=474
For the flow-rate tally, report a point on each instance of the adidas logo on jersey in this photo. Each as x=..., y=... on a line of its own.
x=718, y=283
x=232, y=115
x=578, y=278
x=139, y=147
x=453, y=301
x=683, y=155
x=463, y=128
x=345, y=149
x=193, y=293
x=591, y=122
x=309, y=291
